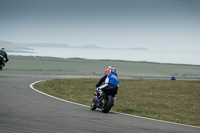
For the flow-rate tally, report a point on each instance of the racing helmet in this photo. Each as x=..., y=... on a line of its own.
x=109, y=67
x=114, y=70
x=3, y=49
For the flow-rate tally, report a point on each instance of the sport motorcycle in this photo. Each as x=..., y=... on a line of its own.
x=105, y=101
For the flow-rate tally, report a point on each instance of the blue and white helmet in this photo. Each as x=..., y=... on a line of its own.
x=114, y=70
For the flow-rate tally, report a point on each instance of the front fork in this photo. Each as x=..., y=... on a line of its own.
x=97, y=101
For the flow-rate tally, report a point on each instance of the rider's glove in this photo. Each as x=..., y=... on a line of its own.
x=6, y=60
x=98, y=89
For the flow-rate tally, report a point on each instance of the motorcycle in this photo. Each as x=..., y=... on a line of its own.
x=104, y=102
x=2, y=65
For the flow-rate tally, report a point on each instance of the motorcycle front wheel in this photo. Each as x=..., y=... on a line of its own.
x=108, y=103
x=93, y=105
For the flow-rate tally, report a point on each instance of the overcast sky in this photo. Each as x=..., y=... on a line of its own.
x=153, y=24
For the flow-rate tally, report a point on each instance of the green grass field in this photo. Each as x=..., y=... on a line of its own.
x=77, y=66
x=174, y=101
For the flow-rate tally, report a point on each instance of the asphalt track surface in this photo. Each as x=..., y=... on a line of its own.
x=23, y=110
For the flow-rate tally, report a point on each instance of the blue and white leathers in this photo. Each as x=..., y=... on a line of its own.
x=112, y=78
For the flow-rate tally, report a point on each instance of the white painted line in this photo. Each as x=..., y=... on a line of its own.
x=31, y=85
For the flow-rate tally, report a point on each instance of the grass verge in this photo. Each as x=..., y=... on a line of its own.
x=174, y=101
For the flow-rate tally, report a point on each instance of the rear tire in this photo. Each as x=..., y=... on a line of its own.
x=108, y=104
x=93, y=105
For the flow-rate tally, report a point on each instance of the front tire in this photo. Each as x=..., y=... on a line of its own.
x=93, y=105
x=108, y=104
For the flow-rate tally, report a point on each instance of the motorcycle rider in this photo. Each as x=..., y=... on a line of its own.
x=111, y=81
x=3, y=55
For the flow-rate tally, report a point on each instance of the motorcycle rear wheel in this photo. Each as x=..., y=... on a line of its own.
x=108, y=104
